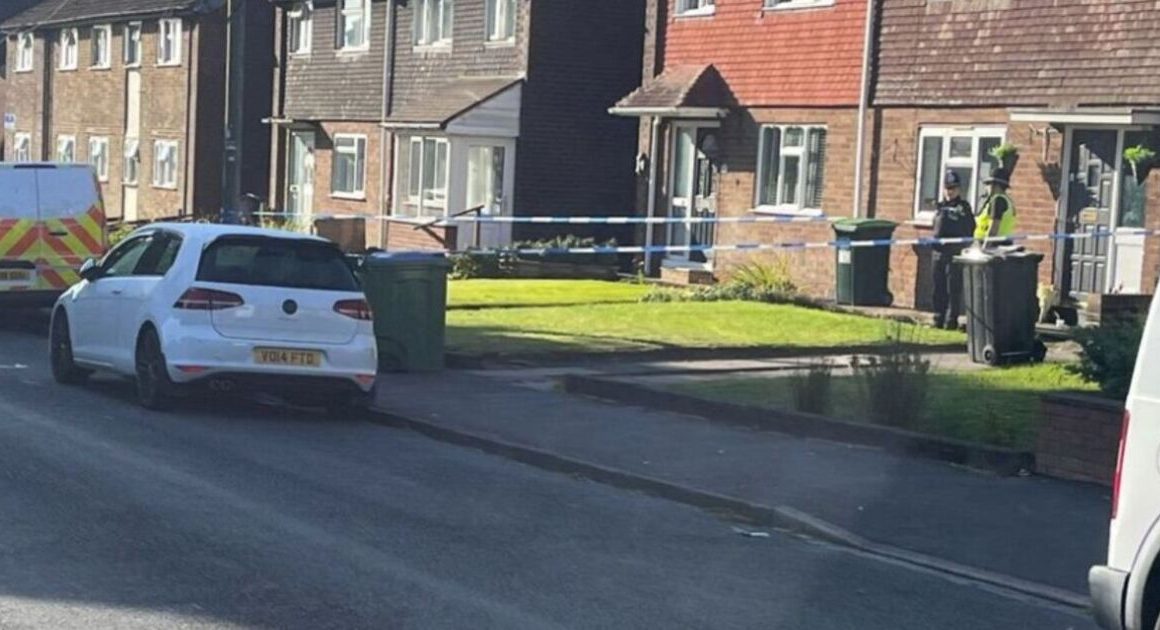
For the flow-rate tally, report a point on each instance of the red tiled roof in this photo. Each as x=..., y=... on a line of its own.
x=681, y=86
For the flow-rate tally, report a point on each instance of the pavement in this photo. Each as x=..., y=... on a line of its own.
x=228, y=514
x=1035, y=529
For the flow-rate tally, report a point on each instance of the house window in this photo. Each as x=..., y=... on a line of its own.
x=696, y=7
x=99, y=157
x=66, y=148
x=433, y=22
x=132, y=44
x=797, y=4
x=348, y=173
x=164, y=164
x=791, y=169
x=501, y=20
x=421, y=188
x=966, y=151
x=300, y=25
x=68, y=49
x=24, y=52
x=22, y=151
x=354, y=24
x=169, y=43
x=101, y=41
x=131, y=161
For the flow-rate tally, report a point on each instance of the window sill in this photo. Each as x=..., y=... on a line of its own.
x=926, y=223
x=788, y=211
x=168, y=64
x=22, y=70
x=677, y=263
x=349, y=196
x=129, y=184
x=165, y=186
x=442, y=48
x=59, y=69
x=703, y=12
x=799, y=7
x=133, y=66
x=101, y=68
x=353, y=51
x=500, y=43
x=296, y=54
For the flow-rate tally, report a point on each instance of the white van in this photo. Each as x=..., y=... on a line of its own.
x=52, y=219
x=1126, y=592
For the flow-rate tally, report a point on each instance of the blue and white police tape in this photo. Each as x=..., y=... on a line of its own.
x=620, y=220
x=806, y=245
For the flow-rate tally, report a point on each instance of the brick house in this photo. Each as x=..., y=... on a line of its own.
x=406, y=112
x=7, y=10
x=748, y=107
x=1070, y=83
x=138, y=89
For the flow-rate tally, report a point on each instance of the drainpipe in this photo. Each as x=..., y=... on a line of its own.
x=654, y=147
x=385, y=173
x=194, y=31
x=864, y=96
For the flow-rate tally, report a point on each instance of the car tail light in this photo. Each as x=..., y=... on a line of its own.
x=1120, y=465
x=356, y=309
x=196, y=299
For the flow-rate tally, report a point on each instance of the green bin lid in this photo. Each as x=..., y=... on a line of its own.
x=383, y=259
x=857, y=225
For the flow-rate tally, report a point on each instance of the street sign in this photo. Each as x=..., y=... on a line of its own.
x=9, y=120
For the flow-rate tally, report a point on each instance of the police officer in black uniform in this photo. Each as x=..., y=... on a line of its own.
x=953, y=219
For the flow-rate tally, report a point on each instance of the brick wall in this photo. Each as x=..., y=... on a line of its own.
x=1079, y=438
x=401, y=235
x=25, y=98
x=325, y=202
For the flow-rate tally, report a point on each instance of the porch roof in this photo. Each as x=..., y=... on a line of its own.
x=679, y=92
x=1120, y=116
x=438, y=106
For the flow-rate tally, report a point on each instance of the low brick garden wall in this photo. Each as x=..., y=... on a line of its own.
x=1079, y=438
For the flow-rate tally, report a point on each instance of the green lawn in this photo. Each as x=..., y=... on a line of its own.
x=484, y=293
x=996, y=406
x=643, y=326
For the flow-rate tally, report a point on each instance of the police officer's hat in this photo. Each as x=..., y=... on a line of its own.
x=951, y=180
x=999, y=176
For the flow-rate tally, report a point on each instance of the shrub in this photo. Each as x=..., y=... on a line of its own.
x=773, y=278
x=811, y=388
x=569, y=242
x=118, y=234
x=1108, y=355
x=468, y=265
x=895, y=380
x=749, y=283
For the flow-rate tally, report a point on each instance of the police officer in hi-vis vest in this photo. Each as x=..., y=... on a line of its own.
x=952, y=219
x=996, y=217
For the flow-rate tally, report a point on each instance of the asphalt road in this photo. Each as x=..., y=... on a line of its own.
x=229, y=514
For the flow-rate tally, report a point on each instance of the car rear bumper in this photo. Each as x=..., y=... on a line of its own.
x=1107, y=590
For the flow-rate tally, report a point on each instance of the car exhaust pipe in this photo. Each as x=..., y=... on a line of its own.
x=221, y=385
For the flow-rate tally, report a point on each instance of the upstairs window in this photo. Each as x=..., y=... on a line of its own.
x=24, y=52
x=791, y=169
x=165, y=164
x=169, y=42
x=966, y=151
x=348, y=174
x=99, y=157
x=67, y=59
x=22, y=151
x=433, y=22
x=66, y=149
x=354, y=24
x=696, y=7
x=132, y=44
x=300, y=26
x=501, y=20
x=101, y=40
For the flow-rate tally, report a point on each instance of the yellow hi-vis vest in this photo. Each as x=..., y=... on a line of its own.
x=984, y=220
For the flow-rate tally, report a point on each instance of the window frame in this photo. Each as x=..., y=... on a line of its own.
x=342, y=13
x=131, y=41
x=64, y=62
x=103, y=142
x=133, y=157
x=360, y=165
x=802, y=208
x=422, y=29
x=61, y=140
x=793, y=5
x=404, y=190
x=99, y=61
x=171, y=146
x=25, y=45
x=176, y=32
x=17, y=139
x=501, y=21
x=300, y=28
x=695, y=8
x=945, y=133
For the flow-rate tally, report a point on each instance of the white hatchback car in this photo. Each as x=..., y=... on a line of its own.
x=227, y=307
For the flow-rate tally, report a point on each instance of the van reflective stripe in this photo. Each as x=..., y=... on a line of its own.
x=16, y=241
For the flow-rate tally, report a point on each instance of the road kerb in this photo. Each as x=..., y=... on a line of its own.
x=781, y=517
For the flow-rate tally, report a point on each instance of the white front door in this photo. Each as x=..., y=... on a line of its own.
x=300, y=174
x=132, y=148
x=490, y=186
x=693, y=186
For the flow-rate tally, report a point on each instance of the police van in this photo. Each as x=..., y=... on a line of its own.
x=52, y=218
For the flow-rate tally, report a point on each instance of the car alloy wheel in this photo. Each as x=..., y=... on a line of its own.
x=154, y=389
x=64, y=368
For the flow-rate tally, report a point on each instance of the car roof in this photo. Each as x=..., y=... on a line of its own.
x=211, y=231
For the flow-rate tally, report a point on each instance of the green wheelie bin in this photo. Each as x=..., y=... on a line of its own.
x=407, y=292
x=863, y=273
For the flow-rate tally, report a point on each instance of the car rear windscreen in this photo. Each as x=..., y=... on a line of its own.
x=276, y=262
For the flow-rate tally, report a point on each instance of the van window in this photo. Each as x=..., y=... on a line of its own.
x=66, y=192
x=276, y=262
x=19, y=198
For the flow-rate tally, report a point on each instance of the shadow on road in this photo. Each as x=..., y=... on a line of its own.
x=31, y=321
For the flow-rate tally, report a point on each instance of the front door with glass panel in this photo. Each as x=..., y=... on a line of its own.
x=693, y=195
x=1090, y=197
x=489, y=187
x=300, y=174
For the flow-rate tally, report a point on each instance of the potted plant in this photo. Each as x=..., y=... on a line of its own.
x=1141, y=159
x=1007, y=156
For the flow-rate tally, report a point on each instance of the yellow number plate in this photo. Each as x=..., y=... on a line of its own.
x=278, y=356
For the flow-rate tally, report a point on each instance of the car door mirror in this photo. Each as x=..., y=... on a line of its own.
x=90, y=270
